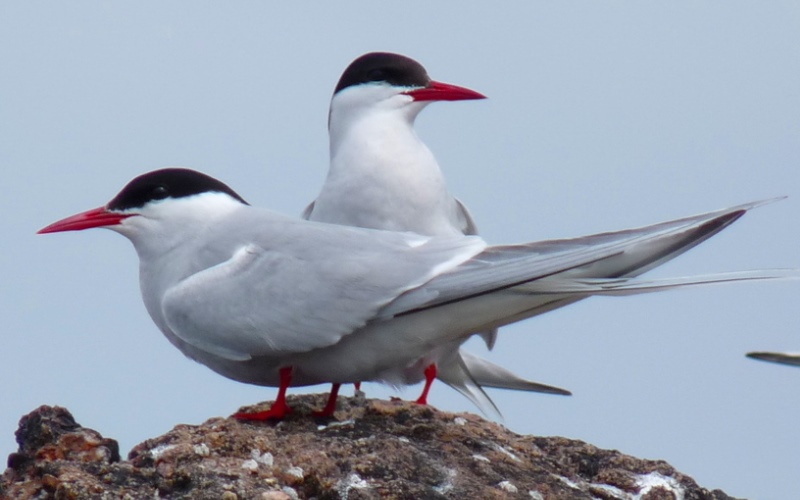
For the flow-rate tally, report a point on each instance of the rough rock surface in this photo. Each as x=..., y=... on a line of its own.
x=373, y=449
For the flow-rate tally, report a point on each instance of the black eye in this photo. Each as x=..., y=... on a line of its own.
x=377, y=75
x=159, y=192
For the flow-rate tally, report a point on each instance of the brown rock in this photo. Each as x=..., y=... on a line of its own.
x=374, y=449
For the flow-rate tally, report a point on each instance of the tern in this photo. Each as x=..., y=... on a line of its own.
x=382, y=176
x=272, y=300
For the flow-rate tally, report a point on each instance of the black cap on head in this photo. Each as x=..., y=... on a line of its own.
x=394, y=69
x=167, y=183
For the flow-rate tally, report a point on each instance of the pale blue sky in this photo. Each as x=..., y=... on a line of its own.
x=600, y=116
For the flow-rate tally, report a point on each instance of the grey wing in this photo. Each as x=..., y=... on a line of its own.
x=465, y=221
x=260, y=302
x=319, y=284
x=468, y=227
x=306, y=215
x=607, y=255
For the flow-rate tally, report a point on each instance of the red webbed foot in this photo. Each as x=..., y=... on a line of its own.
x=430, y=376
x=279, y=408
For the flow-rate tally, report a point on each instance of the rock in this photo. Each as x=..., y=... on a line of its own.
x=374, y=449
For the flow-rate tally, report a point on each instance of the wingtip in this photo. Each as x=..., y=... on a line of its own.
x=549, y=389
x=781, y=358
x=759, y=203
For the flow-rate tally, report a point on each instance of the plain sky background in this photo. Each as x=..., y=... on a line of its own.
x=601, y=116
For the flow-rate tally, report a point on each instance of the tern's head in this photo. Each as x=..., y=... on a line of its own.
x=166, y=200
x=381, y=81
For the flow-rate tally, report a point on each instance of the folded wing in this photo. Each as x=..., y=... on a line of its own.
x=292, y=298
x=562, y=264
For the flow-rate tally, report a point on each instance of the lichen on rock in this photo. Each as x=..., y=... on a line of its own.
x=373, y=449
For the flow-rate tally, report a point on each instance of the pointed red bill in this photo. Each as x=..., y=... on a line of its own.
x=438, y=91
x=97, y=217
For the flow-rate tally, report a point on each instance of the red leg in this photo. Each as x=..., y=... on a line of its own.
x=279, y=408
x=430, y=376
x=330, y=407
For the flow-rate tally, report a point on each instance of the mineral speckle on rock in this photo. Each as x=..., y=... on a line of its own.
x=373, y=449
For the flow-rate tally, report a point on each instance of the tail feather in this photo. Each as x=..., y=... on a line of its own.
x=620, y=254
x=632, y=286
x=453, y=372
x=469, y=374
x=488, y=374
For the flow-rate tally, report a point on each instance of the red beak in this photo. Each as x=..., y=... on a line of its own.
x=98, y=217
x=438, y=91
